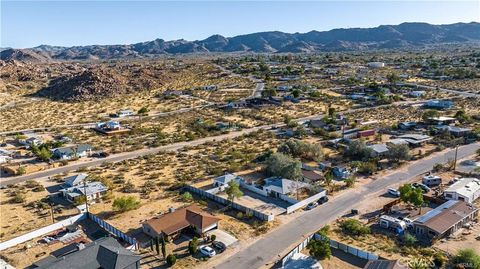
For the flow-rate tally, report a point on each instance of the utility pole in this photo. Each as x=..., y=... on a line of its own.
x=85, y=194
x=51, y=212
x=455, y=161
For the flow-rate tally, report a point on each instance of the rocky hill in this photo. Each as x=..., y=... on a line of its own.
x=405, y=35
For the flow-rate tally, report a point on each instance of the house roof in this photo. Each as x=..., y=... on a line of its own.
x=90, y=188
x=104, y=253
x=282, y=185
x=465, y=186
x=225, y=178
x=182, y=218
x=453, y=129
x=379, y=148
x=311, y=175
x=384, y=264
x=446, y=215
x=73, y=149
x=75, y=179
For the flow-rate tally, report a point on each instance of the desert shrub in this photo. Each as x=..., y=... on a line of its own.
x=467, y=256
x=319, y=248
x=126, y=203
x=354, y=227
x=187, y=197
x=18, y=197
x=409, y=240
x=300, y=149
x=171, y=259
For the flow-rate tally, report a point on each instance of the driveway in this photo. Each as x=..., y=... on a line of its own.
x=223, y=237
x=302, y=261
x=272, y=247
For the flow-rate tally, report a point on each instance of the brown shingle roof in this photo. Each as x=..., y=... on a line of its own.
x=384, y=264
x=182, y=218
x=448, y=217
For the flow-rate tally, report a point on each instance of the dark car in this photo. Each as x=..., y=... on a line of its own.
x=354, y=211
x=323, y=200
x=101, y=154
x=219, y=246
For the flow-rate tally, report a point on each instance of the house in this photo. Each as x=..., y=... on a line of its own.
x=397, y=141
x=439, y=104
x=281, y=187
x=416, y=93
x=340, y=172
x=67, y=153
x=384, y=264
x=376, y=64
x=124, y=113
x=445, y=219
x=92, y=190
x=74, y=180
x=365, y=133
x=466, y=189
x=415, y=139
x=379, y=150
x=311, y=175
x=441, y=120
x=209, y=87
x=455, y=131
x=283, y=88
x=224, y=180
x=173, y=223
x=407, y=125
x=4, y=159
x=108, y=126
x=103, y=253
x=31, y=141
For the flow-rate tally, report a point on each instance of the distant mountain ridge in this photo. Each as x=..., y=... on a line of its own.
x=404, y=35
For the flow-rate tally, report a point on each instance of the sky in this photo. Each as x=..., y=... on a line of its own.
x=72, y=23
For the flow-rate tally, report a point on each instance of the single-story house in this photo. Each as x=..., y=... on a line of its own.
x=105, y=252
x=67, y=153
x=442, y=120
x=466, y=189
x=407, y=125
x=340, y=172
x=379, y=150
x=415, y=139
x=4, y=159
x=109, y=125
x=224, y=180
x=311, y=175
x=74, y=180
x=31, y=141
x=92, y=190
x=439, y=104
x=124, y=113
x=445, y=219
x=209, y=87
x=173, y=223
x=455, y=131
x=279, y=187
x=416, y=93
x=397, y=141
x=384, y=264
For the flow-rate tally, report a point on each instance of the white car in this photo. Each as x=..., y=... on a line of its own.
x=208, y=251
x=394, y=192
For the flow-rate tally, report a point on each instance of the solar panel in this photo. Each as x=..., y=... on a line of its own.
x=435, y=211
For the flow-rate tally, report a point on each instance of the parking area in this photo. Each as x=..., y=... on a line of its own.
x=224, y=237
x=266, y=205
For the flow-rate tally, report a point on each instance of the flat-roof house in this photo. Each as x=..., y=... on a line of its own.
x=277, y=187
x=415, y=139
x=407, y=125
x=340, y=172
x=439, y=104
x=124, y=113
x=384, y=264
x=31, y=141
x=379, y=150
x=174, y=222
x=442, y=120
x=109, y=125
x=92, y=190
x=101, y=254
x=311, y=175
x=67, y=153
x=466, y=189
x=455, y=131
x=445, y=219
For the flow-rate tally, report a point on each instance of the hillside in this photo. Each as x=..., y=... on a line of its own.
x=405, y=35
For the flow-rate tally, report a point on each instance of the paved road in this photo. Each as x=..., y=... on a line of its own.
x=270, y=248
x=170, y=147
x=462, y=93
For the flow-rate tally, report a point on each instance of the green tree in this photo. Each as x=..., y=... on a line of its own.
x=409, y=240
x=233, y=190
x=358, y=150
x=354, y=227
x=193, y=246
x=187, y=197
x=126, y=203
x=430, y=114
x=328, y=175
x=320, y=248
x=397, y=153
x=411, y=195
x=44, y=154
x=331, y=112
x=164, y=248
x=296, y=93
x=467, y=256
x=171, y=259
x=299, y=149
x=350, y=182
x=144, y=110
x=462, y=116
x=281, y=165
x=392, y=78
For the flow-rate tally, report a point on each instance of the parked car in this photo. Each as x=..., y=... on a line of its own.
x=207, y=251
x=101, y=154
x=311, y=206
x=408, y=221
x=424, y=187
x=394, y=192
x=219, y=246
x=47, y=239
x=354, y=211
x=322, y=200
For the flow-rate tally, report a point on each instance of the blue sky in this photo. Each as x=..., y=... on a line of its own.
x=69, y=23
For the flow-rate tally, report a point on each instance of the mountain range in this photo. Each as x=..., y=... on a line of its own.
x=405, y=35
